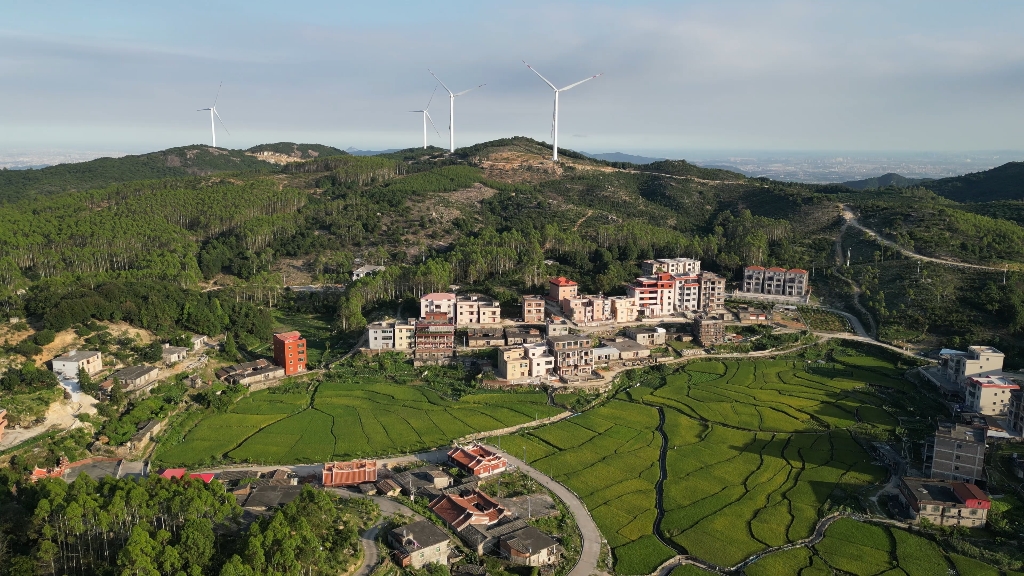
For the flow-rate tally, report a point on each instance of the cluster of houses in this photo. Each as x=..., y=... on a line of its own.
x=289, y=359
x=68, y=365
x=975, y=379
x=485, y=524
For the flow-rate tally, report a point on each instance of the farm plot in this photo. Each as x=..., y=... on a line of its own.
x=344, y=419
x=755, y=452
x=861, y=549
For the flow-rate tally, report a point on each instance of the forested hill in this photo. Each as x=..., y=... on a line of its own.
x=1004, y=182
x=890, y=179
x=173, y=162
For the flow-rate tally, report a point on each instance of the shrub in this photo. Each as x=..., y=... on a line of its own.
x=44, y=337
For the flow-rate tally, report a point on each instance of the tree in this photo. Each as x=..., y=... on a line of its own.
x=138, y=557
x=196, y=545
x=86, y=383
x=44, y=337
x=230, y=349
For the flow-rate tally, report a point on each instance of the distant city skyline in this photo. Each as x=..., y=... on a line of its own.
x=679, y=77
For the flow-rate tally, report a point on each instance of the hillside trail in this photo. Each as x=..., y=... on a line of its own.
x=856, y=288
x=580, y=221
x=851, y=220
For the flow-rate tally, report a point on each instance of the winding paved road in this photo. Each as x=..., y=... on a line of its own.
x=591, y=535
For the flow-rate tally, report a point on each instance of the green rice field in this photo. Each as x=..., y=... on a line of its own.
x=860, y=549
x=755, y=452
x=350, y=415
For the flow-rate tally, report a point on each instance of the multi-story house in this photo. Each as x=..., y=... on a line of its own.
x=670, y=265
x=712, y=293
x=561, y=288
x=978, y=360
x=476, y=310
x=587, y=309
x=438, y=302
x=1015, y=414
x=945, y=503
x=956, y=453
x=796, y=282
x=533, y=309
x=542, y=363
x=989, y=395
x=435, y=338
x=556, y=327
x=513, y=365
x=647, y=335
x=391, y=335
x=708, y=331
x=573, y=355
x=419, y=544
x=753, y=280
x=655, y=295
x=775, y=281
x=623, y=309
x=68, y=365
x=290, y=352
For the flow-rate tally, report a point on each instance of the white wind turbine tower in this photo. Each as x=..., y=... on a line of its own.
x=426, y=116
x=213, y=111
x=451, y=111
x=554, y=115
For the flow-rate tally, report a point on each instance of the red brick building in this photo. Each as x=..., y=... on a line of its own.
x=349, y=473
x=477, y=460
x=290, y=352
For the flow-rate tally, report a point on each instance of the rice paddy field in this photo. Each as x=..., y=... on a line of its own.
x=851, y=547
x=754, y=454
x=351, y=414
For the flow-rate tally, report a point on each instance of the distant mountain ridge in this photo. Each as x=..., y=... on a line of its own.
x=357, y=152
x=889, y=179
x=621, y=157
x=1004, y=182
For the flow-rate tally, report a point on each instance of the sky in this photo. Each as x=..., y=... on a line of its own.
x=678, y=77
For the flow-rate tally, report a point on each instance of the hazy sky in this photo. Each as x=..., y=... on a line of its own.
x=678, y=76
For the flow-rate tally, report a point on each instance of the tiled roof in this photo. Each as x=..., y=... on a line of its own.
x=562, y=281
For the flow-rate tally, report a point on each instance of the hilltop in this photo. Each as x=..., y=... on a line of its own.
x=1004, y=182
x=890, y=179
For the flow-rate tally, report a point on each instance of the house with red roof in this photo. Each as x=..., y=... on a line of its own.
x=350, y=473
x=173, y=473
x=460, y=511
x=477, y=460
x=206, y=477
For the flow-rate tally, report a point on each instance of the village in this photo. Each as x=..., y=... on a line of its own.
x=564, y=337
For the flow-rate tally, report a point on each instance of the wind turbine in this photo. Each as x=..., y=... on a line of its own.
x=213, y=111
x=554, y=115
x=426, y=116
x=451, y=111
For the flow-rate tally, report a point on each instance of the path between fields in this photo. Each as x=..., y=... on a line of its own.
x=854, y=285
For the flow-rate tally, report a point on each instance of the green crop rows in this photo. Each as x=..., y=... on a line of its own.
x=757, y=452
x=852, y=547
x=344, y=419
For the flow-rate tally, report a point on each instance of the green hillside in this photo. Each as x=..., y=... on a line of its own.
x=890, y=179
x=1004, y=182
x=173, y=162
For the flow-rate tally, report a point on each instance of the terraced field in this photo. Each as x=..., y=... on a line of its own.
x=345, y=418
x=852, y=547
x=754, y=453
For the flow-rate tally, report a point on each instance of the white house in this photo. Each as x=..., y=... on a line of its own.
x=68, y=365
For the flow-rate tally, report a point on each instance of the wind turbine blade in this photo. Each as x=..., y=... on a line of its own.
x=417, y=110
x=541, y=77
x=202, y=110
x=439, y=81
x=218, y=93
x=580, y=82
x=432, y=123
x=431, y=98
x=470, y=90
x=222, y=122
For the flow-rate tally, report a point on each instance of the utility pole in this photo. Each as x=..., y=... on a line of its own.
x=847, y=257
x=1005, y=267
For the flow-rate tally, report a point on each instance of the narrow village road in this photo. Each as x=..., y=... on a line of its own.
x=388, y=507
x=587, y=564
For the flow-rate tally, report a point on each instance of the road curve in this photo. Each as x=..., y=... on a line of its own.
x=852, y=221
x=591, y=535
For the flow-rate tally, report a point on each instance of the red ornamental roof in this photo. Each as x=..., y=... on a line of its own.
x=349, y=473
x=172, y=473
x=206, y=477
x=473, y=508
x=562, y=281
x=477, y=459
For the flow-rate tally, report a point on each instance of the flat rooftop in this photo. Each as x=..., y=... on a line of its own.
x=77, y=355
x=958, y=432
x=984, y=350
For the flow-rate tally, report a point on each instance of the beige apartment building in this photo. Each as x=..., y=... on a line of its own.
x=438, y=302
x=533, y=309
x=989, y=395
x=391, y=335
x=561, y=288
x=471, y=310
x=574, y=356
x=978, y=360
x=624, y=309
x=775, y=281
x=587, y=309
x=513, y=365
x=712, y=293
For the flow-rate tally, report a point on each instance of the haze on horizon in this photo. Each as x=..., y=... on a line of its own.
x=678, y=76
